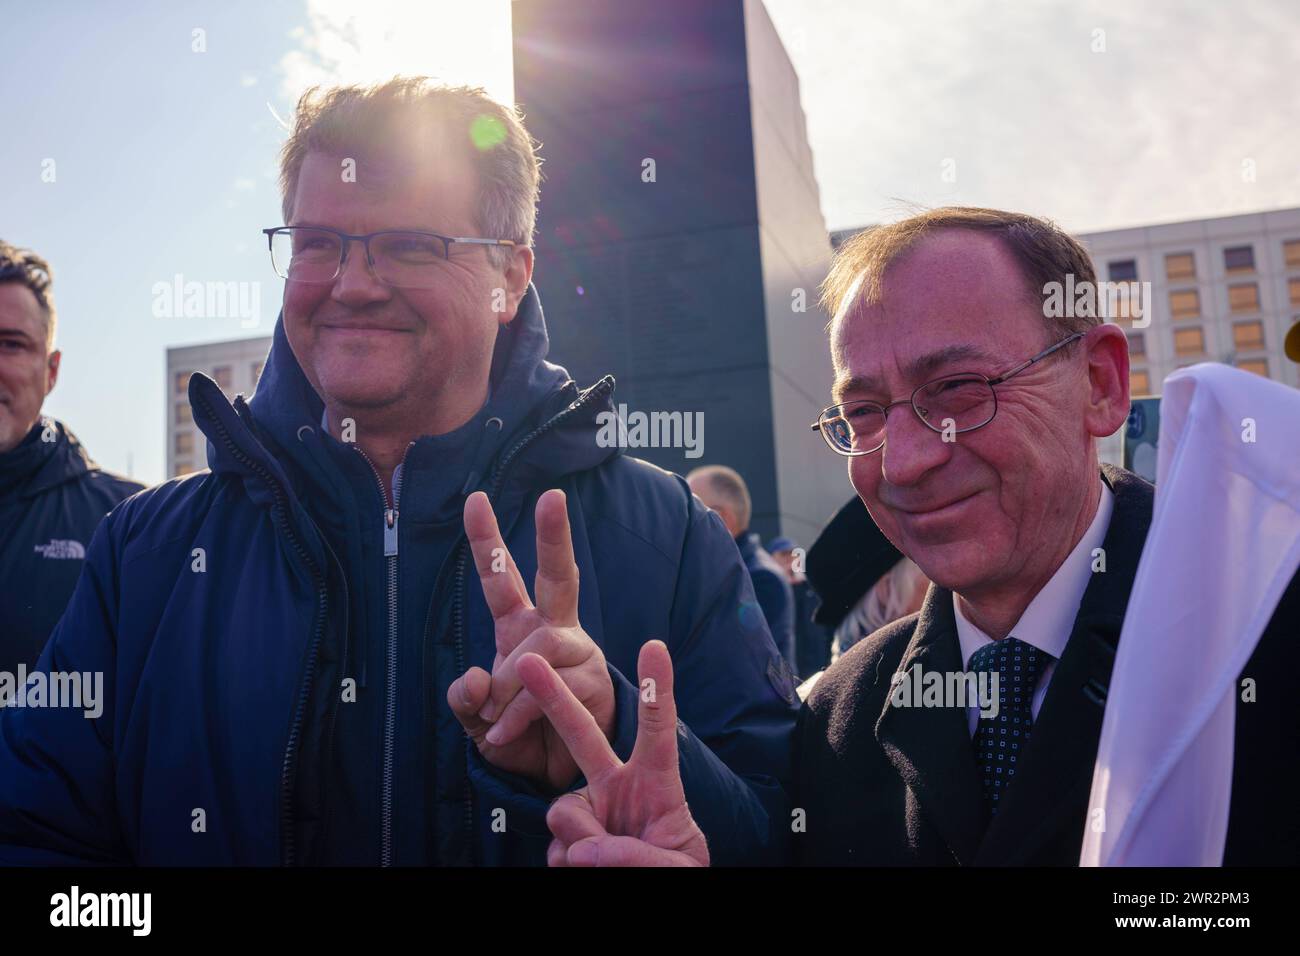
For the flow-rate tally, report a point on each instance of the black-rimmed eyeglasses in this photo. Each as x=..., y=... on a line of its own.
x=398, y=257
x=955, y=403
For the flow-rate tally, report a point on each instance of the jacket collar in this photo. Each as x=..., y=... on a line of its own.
x=36, y=464
x=931, y=749
x=263, y=439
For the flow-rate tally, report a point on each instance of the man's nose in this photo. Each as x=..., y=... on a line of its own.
x=911, y=447
x=356, y=284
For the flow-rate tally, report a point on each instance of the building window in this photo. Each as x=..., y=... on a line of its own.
x=1291, y=253
x=1258, y=366
x=1293, y=291
x=256, y=371
x=1122, y=270
x=221, y=375
x=182, y=382
x=1243, y=297
x=1185, y=304
x=1139, y=382
x=1124, y=305
x=1137, y=344
x=184, y=414
x=182, y=468
x=1239, y=259
x=184, y=443
x=1180, y=266
x=1189, y=342
x=1248, y=336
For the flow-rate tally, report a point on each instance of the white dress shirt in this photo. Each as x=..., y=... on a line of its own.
x=1049, y=618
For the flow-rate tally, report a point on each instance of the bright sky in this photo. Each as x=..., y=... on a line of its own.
x=164, y=158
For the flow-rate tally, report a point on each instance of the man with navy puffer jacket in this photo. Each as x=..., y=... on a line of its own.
x=309, y=651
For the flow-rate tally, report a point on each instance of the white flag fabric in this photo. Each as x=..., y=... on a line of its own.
x=1224, y=544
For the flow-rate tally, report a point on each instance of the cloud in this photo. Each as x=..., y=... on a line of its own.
x=1154, y=128
x=458, y=42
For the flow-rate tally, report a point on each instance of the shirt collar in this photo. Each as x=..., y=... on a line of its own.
x=1049, y=619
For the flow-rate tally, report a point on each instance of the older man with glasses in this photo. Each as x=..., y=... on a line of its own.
x=312, y=649
x=968, y=414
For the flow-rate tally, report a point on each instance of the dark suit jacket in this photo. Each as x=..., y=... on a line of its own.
x=885, y=785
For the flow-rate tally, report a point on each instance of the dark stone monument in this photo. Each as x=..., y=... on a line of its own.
x=680, y=240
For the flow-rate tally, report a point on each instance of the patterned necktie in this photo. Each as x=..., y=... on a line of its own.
x=1000, y=741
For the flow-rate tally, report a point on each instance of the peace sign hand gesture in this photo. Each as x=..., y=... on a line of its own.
x=500, y=715
x=628, y=814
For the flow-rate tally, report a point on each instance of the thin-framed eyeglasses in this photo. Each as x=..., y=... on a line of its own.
x=399, y=257
x=953, y=404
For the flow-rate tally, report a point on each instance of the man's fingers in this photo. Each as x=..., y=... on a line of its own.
x=556, y=584
x=503, y=586
x=656, y=732
x=571, y=819
x=562, y=647
x=466, y=696
x=557, y=854
x=571, y=720
x=623, y=851
x=518, y=716
x=523, y=709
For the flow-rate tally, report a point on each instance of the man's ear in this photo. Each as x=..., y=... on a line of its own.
x=518, y=273
x=1108, y=396
x=54, y=358
x=729, y=519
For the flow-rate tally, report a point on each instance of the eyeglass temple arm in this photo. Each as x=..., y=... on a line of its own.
x=1037, y=358
x=478, y=242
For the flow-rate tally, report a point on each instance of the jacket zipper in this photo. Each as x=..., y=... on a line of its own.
x=600, y=390
x=390, y=516
x=288, y=772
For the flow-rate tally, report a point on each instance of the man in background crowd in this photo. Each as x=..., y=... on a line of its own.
x=723, y=490
x=52, y=494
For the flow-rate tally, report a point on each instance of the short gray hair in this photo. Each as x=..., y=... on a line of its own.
x=358, y=119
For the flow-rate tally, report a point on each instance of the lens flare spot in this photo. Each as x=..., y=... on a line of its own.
x=487, y=131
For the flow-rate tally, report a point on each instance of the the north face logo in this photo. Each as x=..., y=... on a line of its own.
x=58, y=548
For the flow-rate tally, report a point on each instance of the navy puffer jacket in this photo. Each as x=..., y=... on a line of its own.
x=222, y=684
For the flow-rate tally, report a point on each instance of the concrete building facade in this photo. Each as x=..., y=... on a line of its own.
x=235, y=366
x=1223, y=290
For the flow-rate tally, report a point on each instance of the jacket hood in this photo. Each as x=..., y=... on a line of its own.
x=525, y=391
x=48, y=456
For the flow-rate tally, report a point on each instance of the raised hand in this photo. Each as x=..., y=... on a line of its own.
x=628, y=814
x=500, y=715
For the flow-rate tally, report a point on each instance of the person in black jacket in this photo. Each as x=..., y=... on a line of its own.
x=52, y=495
x=969, y=410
